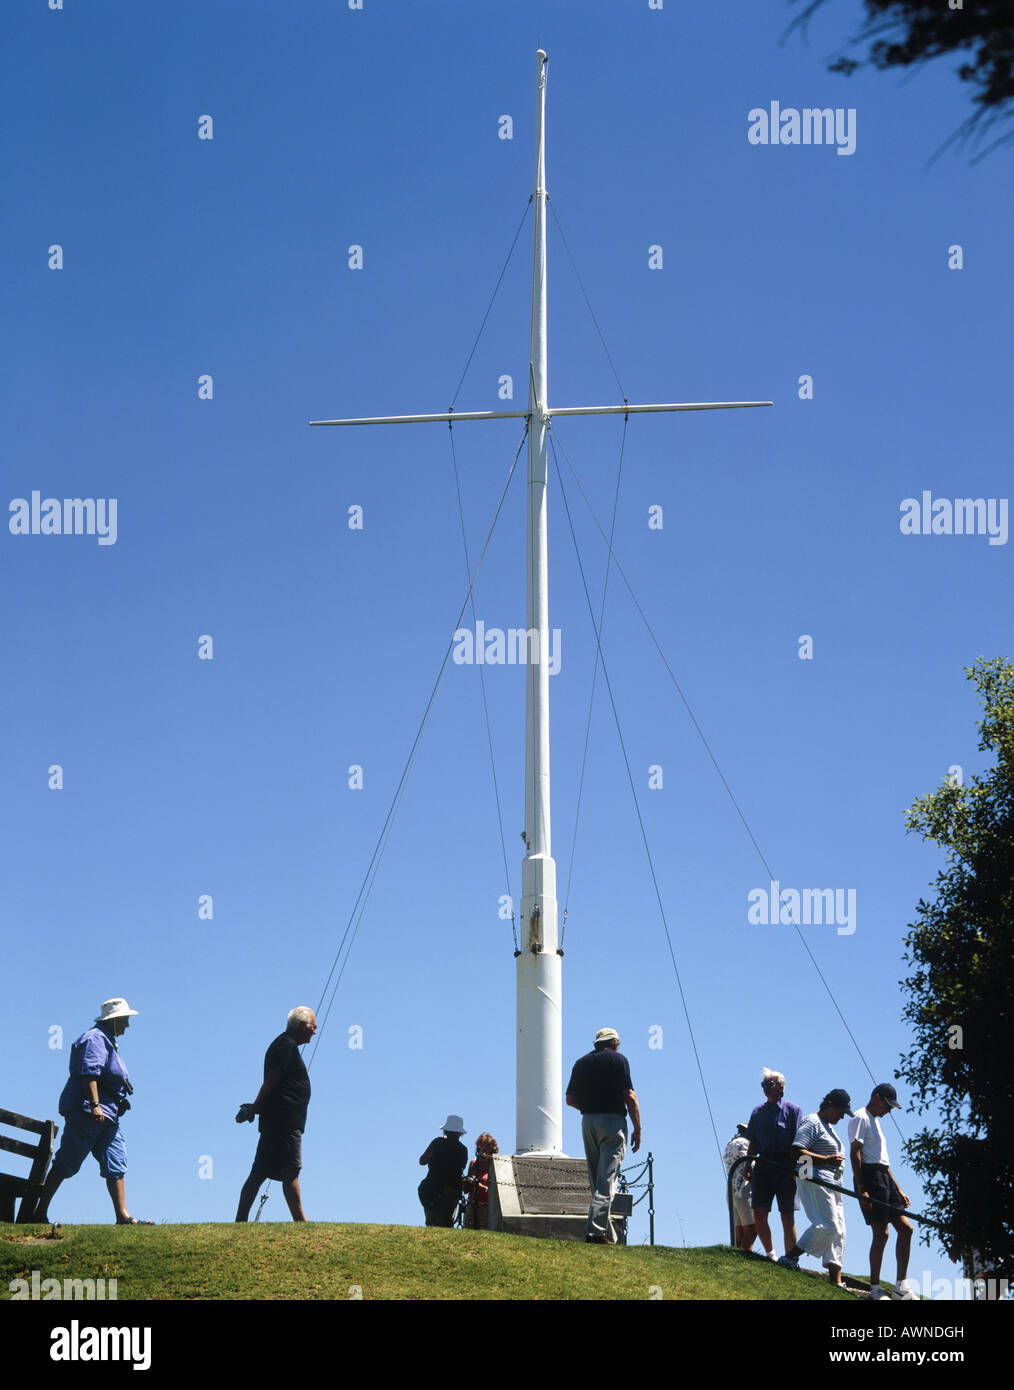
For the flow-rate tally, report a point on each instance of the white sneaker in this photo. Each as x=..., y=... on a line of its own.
x=902, y=1292
x=770, y=1255
x=877, y=1293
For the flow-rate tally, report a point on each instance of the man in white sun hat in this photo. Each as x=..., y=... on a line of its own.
x=92, y=1102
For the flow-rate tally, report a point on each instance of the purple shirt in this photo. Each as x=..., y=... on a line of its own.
x=94, y=1054
x=772, y=1126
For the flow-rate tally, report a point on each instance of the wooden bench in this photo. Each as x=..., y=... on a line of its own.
x=28, y=1189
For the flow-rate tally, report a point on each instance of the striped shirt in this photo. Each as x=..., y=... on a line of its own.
x=819, y=1138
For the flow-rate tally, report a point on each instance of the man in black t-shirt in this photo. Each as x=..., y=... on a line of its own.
x=600, y=1087
x=281, y=1105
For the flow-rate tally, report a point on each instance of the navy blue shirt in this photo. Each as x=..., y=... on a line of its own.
x=773, y=1125
x=94, y=1054
x=600, y=1082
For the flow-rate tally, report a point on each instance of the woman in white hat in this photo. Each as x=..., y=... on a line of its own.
x=91, y=1103
x=440, y=1189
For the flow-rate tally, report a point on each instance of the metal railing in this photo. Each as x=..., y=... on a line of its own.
x=629, y=1184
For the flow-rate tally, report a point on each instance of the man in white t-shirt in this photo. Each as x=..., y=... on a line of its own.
x=873, y=1179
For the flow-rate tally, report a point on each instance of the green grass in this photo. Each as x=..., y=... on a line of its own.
x=320, y=1260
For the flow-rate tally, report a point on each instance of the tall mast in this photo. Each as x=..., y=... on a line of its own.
x=539, y=1007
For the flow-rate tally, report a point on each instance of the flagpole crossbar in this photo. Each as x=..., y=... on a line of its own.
x=644, y=409
x=455, y=415
x=427, y=419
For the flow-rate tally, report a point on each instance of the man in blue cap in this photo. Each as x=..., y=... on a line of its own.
x=872, y=1178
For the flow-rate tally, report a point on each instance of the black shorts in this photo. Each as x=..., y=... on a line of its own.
x=279, y=1155
x=769, y=1182
x=877, y=1181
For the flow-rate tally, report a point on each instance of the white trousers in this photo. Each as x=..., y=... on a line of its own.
x=825, y=1236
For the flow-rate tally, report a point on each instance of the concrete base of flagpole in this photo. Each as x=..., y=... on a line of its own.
x=534, y=1194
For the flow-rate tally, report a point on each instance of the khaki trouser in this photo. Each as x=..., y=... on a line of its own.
x=605, y=1143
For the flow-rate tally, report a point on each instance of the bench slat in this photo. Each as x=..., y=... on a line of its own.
x=16, y=1146
x=11, y=1117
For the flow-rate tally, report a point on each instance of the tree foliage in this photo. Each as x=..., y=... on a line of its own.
x=903, y=33
x=961, y=996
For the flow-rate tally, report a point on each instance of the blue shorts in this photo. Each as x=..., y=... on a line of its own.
x=83, y=1136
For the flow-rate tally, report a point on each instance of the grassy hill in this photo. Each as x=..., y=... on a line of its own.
x=321, y=1260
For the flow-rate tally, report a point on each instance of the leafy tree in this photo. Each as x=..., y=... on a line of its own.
x=961, y=996
x=903, y=33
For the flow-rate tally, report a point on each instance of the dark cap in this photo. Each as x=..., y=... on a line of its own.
x=840, y=1099
x=887, y=1094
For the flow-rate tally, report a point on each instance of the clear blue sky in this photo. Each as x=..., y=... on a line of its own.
x=184, y=777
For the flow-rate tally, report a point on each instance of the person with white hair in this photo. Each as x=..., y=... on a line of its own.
x=92, y=1103
x=281, y=1105
x=771, y=1131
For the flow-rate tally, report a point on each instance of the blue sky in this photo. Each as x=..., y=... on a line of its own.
x=184, y=777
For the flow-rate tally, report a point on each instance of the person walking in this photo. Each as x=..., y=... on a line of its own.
x=281, y=1105
x=819, y=1154
x=440, y=1189
x=872, y=1178
x=92, y=1104
x=600, y=1087
x=771, y=1131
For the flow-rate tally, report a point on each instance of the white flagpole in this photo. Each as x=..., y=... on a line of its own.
x=539, y=1007
x=539, y=972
